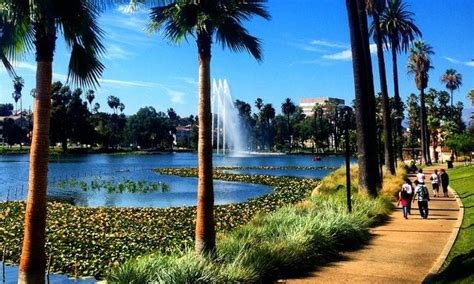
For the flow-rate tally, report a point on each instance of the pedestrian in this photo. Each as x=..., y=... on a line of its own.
x=404, y=198
x=444, y=182
x=435, y=182
x=423, y=196
x=420, y=176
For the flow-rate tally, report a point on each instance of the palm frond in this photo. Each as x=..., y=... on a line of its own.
x=176, y=22
x=231, y=34
x=85, y=69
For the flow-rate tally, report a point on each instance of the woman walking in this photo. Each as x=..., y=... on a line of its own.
x=444, y=182
x=404, y=198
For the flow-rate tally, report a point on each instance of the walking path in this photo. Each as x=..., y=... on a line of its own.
x=400, y=251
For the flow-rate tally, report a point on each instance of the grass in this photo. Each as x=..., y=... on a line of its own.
x=270, y=245
x=459, y=265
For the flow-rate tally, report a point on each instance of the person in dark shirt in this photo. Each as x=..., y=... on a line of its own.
x=444, y=182
x=423, y=196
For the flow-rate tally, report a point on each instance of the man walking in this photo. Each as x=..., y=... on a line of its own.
x=423, y=196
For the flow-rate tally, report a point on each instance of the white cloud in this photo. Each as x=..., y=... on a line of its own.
x=114, y=51
x=455, y=61
x=326, y=43
x=346, y=54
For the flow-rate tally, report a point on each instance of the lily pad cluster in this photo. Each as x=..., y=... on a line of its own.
x=113, y=186
x=91, y=241
x=276, y=168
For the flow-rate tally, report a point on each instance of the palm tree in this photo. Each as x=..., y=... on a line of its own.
x=399, y=30
x=90, y=96
x=113, y=103
x=43, y=19
x=453, y=81
x=288, y=108
x=419, y=63
x=208, y=21
x=121, y=107
x=18, y=84
x=375, y=8
x=369, y=178
x=258, y=103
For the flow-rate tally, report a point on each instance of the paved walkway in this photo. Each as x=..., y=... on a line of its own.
x=401, y=251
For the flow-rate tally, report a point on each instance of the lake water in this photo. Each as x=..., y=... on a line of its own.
x=182, y=191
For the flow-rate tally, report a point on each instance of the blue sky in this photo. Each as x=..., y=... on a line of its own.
x=306, y=54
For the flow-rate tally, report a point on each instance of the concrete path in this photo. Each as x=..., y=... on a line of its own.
x=400, y=251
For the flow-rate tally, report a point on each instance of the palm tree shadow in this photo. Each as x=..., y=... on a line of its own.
x=459, y=268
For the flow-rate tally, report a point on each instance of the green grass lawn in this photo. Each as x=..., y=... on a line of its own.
x=459, y=266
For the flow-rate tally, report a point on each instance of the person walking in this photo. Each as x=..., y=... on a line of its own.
x=435, y=182
x=444, y=182
x=420, y=176
x=404, y=198
x=423, y=196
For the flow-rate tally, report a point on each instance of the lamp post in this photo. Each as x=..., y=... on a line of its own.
x=347, y=111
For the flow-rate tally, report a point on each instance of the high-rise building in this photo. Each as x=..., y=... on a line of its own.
x=307, y=104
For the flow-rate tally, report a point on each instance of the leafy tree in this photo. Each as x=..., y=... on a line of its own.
x=37, y=24
x=453, y=81
x=398, y=27
x=148, y=128
x=369, y=176
x=375, y=8
x=206, y=21
x=6, y=109
x=462, y=142
x=419, y=64
x=12, y=132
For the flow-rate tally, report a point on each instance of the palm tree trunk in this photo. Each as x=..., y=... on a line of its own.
x=33, y=256
x=387, y=123
x=368, y=166
x=424, y=130
x=396, y=96
x=205, y=230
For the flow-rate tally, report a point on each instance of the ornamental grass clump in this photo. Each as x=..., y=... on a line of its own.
x=271, y=245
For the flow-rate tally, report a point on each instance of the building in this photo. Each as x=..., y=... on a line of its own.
x=307, y=104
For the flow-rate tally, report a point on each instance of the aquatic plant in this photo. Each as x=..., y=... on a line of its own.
x=112, y=186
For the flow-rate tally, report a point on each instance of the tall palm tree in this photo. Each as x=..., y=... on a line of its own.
x=18, y=84
x=90, y=96
x=288, y=108
x=375, y=8
x=43, y=20
x=399, y=30
x=419, y=64
x=258, y=103
x=369, y=178
x=453, y=81
x=208, y=21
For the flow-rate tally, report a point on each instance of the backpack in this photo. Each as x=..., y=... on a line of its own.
x=423, y=192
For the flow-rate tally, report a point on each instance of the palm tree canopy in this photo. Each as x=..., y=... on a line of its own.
x=419, y=63
x=398, y=26
x=288, y=107
x=76, y=20
x=221, y=19
x=452, y=79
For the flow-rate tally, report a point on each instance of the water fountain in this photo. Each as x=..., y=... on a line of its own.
x=226, y=125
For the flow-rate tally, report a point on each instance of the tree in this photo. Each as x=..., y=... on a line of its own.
x=113, y=102
x=206, y=21
x=419, y=63
x=399, y=30
x=375, y=8
x=453, y=81
x=121, y=107
x=37, y=24
x=258, y=103
x=90, y=96
x=6, y=109
x=266, y=117
x=288, y=108
x=18, y=84
x=369, y=176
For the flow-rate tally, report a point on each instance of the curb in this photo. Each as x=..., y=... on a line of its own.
x=447, y=248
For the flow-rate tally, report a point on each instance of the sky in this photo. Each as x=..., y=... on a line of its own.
x=306, y=49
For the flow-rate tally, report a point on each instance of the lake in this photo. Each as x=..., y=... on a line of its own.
x=182, y=191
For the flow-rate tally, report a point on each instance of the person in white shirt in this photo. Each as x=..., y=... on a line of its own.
x=420, y=177
x=435, y=182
